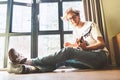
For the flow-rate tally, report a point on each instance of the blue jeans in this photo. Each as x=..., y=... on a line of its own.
x=71, y=57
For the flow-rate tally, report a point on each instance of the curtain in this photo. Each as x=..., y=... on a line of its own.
x=93, y=12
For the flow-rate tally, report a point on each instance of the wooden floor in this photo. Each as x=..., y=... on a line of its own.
x=66, y=74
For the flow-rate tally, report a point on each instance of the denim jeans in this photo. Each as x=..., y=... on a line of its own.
x=72, y=57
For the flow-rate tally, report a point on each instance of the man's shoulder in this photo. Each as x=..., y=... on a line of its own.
x=89, y=22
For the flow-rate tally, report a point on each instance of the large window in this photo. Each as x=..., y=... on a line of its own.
x=34, y=27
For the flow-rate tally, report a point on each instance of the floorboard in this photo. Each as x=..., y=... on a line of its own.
x=65, y=74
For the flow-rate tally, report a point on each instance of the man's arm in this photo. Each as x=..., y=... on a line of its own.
x=98, y=45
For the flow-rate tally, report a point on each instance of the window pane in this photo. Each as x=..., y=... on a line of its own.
x=48, y=44
x=48, y=16
x=68, y=38
x=25, y=1
x=76, y=5
x=3, y=10
x=21, y=44
x=21, y=19
x=2, y=44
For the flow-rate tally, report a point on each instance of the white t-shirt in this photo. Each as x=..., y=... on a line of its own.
x=90, y=31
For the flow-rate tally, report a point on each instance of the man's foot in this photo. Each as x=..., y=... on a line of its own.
x=15, y=57
x=21, y=68
x=15, y=68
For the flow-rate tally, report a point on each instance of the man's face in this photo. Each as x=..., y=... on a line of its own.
x=73, y=19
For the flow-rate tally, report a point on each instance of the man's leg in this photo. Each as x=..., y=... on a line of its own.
x=19, y=64
x=73, y=63
x=87, y=58
x=90, y=59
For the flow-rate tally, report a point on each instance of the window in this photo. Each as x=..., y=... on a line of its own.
x=48, y=16
x=21, y=18
x=27, y=22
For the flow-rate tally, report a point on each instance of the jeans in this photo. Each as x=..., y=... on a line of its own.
x=71, y=57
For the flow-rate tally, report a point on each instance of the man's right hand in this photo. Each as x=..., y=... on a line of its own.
x=67, y=44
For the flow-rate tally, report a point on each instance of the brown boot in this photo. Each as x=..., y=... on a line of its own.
x=15, y=57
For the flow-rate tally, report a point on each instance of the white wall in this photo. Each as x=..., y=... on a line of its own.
x=111, y=12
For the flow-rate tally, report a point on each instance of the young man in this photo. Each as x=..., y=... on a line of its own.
x=87, y=51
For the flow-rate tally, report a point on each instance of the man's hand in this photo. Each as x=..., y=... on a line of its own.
x=82, y=43
x=67, y=44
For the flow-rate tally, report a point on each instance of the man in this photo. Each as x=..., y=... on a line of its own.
x=87, y=51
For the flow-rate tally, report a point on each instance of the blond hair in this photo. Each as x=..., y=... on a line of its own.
x=70, y=10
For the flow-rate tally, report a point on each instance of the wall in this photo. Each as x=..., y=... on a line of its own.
x=111, y=12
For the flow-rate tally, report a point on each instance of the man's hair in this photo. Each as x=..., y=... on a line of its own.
x=70, y=10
